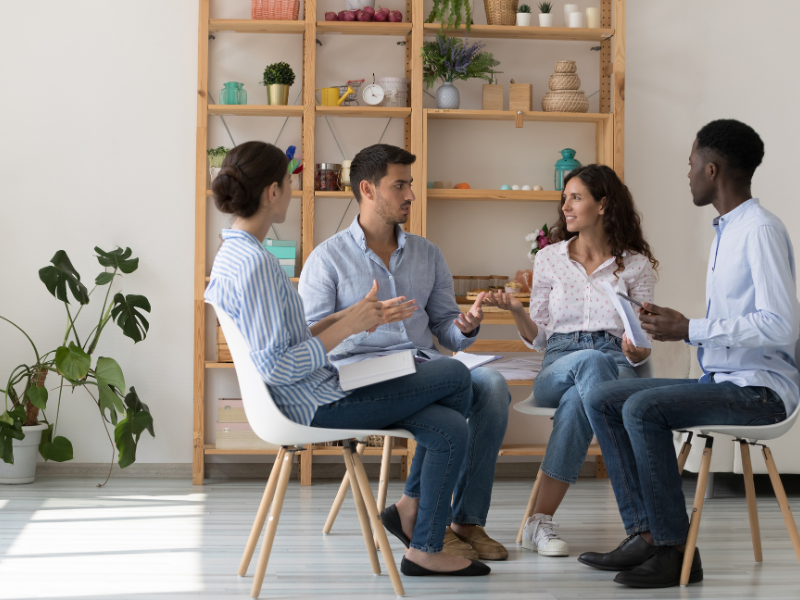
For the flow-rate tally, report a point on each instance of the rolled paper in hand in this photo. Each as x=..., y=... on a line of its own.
x=592, y=18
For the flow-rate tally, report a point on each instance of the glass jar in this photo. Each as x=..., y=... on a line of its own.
x=345, y=181
x=327, y=177
x=233, y=93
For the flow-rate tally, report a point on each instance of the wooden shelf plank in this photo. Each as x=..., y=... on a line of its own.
x=368, y=451
x=538, y=450
x=292, y=279
x=255, y=110
x=345, y=195
x=495, y=195
x=526, y=382
x=380, y=112
x=356, y=28
x=212, y=449
x=211, y=364
x=564, y=34
x=507, y=115
x=256, y=26
x=295, y=193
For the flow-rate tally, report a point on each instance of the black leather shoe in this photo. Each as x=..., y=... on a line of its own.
x=391, y=521
x=661, y=570
x=412, y=569
x=632, y=552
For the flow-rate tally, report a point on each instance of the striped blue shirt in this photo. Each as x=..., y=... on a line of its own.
x=249, y=285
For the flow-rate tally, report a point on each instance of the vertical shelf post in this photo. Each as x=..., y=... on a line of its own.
x=418, y=217
x=201, y=203
x=619, y=88
x=309, y=121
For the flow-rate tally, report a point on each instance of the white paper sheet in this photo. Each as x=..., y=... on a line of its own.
x=519, y=368
x=633, y=328
x=473, y=361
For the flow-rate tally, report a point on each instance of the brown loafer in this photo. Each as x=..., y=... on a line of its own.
x=454, y=546
x=486, y=547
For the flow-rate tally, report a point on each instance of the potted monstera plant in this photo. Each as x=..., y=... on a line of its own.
x=34, y=389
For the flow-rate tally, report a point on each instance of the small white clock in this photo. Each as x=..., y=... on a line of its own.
x=372, y=94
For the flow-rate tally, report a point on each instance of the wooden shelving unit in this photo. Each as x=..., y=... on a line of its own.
x=609, y=128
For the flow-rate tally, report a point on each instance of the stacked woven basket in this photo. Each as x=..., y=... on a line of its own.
x=565, y=94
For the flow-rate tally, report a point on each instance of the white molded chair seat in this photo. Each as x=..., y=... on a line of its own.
x=271, y=425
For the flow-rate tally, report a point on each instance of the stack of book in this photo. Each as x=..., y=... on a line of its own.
x=233, y=432
x=285, y=252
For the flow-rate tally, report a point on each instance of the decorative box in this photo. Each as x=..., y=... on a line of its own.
x=231, y=410
x=520, y=97
x=240, y=436
x=223, y=352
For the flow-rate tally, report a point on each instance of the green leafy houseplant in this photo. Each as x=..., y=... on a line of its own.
x=280, y=73
x=451, y=13
x=545, y=7
x=451, y=59
x=26, y=397
x=216, y=156
x=524, y=8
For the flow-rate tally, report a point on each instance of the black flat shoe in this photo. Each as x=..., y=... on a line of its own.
x=662, y=570
x=632, y=552
x=391, y=521
x=412, y=569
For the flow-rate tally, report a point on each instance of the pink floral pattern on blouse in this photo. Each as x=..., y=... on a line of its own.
x=564, y=299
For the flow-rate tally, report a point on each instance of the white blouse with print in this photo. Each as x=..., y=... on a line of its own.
x=564, y=299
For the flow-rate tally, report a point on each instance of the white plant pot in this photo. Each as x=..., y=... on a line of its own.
x=25, y=452
x=213, y=172
x=545, y=19
x=447, y=96
x=524, y=19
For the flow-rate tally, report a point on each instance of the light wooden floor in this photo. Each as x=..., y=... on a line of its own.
x=161, y=539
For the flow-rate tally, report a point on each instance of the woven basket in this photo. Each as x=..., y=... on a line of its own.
x=275, y=10
x=565, y=101
x=564, y=81
x=501, y=12
x=375, y=441
x=566, y=66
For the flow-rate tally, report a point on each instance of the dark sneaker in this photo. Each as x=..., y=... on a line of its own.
x=662, y=570
x=632, y=552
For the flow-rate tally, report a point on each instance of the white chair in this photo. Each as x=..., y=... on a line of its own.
x=746, y=436
x=668, y=360
x=270, y=424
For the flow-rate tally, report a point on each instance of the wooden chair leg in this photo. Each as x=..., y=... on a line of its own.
x=272, y=523
x=684, y=453
x=261, y=515
x=383, y=482
x=697, y=511
x=340, y=496
x=380, y=532
x=531, y=504
x=780, y=494
x=363, y=518
x=752, y=506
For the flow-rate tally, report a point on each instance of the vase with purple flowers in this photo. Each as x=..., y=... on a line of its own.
x=450, y=59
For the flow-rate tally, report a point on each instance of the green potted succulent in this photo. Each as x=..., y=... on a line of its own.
x=524, y=15
x=29, y=420
x=451, y=59
x=546, y=17
x=278, y=77
x=215, y=158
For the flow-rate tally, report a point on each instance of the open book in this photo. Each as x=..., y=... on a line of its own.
x=473, y=361
x=374, y=370
x=633, y=328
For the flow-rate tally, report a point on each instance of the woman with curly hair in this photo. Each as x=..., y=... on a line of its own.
x=598, y=238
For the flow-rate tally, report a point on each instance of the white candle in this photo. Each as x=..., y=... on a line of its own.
x=592, y=18
x=568, y=9
x=576, y=20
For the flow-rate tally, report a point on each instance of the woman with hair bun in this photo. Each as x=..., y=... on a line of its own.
x=249, y=285
x=597, y=238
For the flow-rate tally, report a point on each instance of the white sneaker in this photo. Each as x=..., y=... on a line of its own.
x=539, y=536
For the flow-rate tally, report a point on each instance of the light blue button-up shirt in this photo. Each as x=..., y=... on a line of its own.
x=751, y=327
x=340, y=271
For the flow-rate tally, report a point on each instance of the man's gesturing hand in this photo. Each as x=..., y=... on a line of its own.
x=366, y=314
x=664, y=324
x=467, y=323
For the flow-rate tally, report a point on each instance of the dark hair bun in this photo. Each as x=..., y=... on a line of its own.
x=231, y=190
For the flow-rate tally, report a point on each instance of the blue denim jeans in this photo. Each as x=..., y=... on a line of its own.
x=573, y=364
x=432, y=404
x=634, y=421
x=487, y=421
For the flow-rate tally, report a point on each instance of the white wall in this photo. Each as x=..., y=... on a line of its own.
x=98, y=149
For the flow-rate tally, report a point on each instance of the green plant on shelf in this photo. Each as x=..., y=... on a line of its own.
x=27, y=398
x=217, y=155
x=451, y=59
x=524, y=8
x=280, y=73
x=451, y=14
x=545, y=7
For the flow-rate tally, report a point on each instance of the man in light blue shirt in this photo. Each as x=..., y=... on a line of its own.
x=414, y=279
x=745, y=346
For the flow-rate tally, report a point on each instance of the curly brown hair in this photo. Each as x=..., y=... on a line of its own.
x=621, y=221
